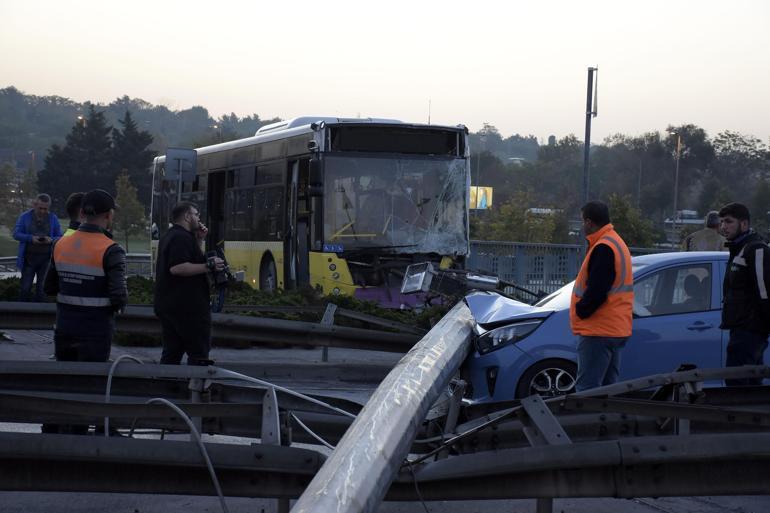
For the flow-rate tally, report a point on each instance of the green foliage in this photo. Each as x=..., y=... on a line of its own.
x=82, y=164
x=514, y=220
x=140, y=292
x=131, y=153
x=9, y=289
x=130, y=219
x=628, y=222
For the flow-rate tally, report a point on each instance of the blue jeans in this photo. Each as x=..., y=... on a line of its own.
x=35, y=264
x=745, y=348
x=598, y=361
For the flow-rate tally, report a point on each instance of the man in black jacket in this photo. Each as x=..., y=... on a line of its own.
x=746, y=307
x=182, y=288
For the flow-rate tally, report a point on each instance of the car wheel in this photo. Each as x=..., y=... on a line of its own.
x=549, y=378
x=268, y=276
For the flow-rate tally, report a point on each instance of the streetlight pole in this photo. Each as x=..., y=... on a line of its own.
x=590, y=113
x=676, y=177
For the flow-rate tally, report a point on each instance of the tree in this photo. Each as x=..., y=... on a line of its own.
x=628, y=222
x=515, y=221
x=83, y=163
x=9, y=210
x=130, y=219
x=131, y=154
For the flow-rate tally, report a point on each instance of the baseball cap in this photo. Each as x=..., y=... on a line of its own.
x=98, y=201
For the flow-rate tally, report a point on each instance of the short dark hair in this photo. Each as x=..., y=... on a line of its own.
x=736, y=210
x=45, y=198
x=597, y=212
x=74, y=202
x=181, y=209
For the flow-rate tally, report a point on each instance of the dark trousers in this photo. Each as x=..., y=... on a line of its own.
x=745, y=348
x=82, y=347
x=35, y=264
x=185, y=334
x=598, y=361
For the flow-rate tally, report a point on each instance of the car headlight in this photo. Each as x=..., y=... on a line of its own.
x=501, y=337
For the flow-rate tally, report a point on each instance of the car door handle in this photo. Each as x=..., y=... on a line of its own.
x=699, y=326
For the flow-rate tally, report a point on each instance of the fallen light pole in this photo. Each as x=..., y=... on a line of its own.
x=359, y=472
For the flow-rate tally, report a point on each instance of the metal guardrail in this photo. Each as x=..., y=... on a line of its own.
x=142, y=321
x=137, y=264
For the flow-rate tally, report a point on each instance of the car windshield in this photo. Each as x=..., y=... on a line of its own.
x=416, y=205
x=561, y=298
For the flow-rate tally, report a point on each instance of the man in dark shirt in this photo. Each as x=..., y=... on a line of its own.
x=746, y=303
x=182, y=288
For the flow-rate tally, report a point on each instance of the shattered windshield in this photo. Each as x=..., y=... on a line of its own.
x=414, y=205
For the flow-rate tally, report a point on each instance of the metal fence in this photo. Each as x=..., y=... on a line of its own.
x=137, y=264
x=538, y=267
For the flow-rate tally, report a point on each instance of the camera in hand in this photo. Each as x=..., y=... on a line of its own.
x=220, y=277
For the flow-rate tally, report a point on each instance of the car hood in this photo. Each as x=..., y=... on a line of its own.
x=490, y=309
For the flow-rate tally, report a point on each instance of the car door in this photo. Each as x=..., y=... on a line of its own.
x=676, y=321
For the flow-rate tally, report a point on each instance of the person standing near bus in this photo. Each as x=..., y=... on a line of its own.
x=602, y=300
x=88, y=278
x=182, y=288
x=74, y=212
x=36, y=230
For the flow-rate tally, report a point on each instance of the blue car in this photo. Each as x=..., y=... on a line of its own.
x=520, y=349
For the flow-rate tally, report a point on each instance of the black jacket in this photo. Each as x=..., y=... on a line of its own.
x=746, y=285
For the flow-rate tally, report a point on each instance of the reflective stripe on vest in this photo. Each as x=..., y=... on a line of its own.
x=82, y=301
x=614, y=317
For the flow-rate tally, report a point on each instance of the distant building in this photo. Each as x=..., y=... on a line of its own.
x=685, y=221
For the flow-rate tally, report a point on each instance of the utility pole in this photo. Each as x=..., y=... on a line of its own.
x=591, y=112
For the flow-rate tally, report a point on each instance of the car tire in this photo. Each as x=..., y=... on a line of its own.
x=548, y=378
x=268, y=276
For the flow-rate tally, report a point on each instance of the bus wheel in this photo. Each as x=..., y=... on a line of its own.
x=268, y=276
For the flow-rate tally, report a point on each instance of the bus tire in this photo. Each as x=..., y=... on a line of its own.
x=268, y=276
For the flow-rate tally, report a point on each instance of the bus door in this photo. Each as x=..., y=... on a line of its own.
x=290, y=237
x=303, y=224
x=215, y=220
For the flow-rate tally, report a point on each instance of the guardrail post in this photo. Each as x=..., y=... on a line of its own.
x=359, y=472
x=197, y=386
x=327, y=320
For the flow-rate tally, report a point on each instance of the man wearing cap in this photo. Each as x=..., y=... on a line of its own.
x=36, y=230
x=708, y=238
x=88, y=278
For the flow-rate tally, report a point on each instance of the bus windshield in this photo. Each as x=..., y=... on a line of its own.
x=412, y=205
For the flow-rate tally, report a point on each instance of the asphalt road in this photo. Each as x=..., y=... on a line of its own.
x=34, y=345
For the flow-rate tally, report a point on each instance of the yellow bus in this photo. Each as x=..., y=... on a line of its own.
x=344, y=204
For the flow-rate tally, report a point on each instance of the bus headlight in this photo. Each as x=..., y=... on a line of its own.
x=500, y=337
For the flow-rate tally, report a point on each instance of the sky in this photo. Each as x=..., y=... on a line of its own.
x=518, y=65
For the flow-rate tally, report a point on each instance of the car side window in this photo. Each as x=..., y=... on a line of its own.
x=682, y=289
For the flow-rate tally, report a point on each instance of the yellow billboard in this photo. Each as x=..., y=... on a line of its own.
x=481, y=197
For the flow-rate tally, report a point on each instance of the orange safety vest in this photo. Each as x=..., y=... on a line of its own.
x=79, y=260
x=613, y=318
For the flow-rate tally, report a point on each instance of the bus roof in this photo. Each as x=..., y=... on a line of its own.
x=305, y=124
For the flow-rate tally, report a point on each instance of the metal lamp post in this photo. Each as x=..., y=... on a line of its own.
x=676, y=175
